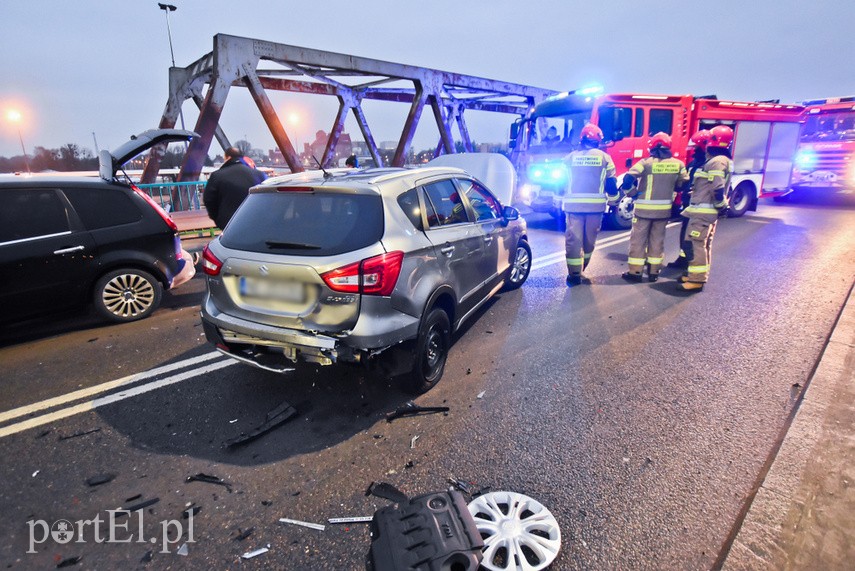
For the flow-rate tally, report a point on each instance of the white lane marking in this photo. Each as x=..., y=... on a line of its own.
x=104, y=387
x=110, y=399
x=557, y=257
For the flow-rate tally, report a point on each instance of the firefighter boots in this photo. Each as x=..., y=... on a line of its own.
x=691, y=287
x=631, y=277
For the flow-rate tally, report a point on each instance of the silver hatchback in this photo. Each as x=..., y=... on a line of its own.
x=378, y=266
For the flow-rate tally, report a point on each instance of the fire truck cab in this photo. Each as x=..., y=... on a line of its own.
x=826, y=154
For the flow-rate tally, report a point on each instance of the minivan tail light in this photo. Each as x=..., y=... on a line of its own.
x=163, y=214
x=372, y=276
x=211, y=265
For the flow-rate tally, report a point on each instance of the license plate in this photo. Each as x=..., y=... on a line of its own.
x=275, y=290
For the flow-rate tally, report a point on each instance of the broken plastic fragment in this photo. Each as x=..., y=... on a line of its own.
x=256, y=553
x=209, y=479
x=310, y=525
x=244, y=534
x=99, y=479
x=413, y=441
x=387, y=492
x=273, y=419
x=183, y=550
x=355, y=519
x=412, y=409
x=481, y=394
x=69, y=561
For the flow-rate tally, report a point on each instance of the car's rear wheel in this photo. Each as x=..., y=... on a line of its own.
x=431, y=352
x=520, y=267
x=127, y=295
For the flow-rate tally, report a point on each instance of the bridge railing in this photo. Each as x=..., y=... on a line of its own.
x=176, y=196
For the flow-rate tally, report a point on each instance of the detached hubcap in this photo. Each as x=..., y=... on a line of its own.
x=128, y=295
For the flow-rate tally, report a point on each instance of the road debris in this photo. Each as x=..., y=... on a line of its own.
x=135, y=507
x=412, y=409
x=209, y=479
x=78, y=434
x=480, y=395
x=256, y=553
x=386, y=491
x=99, y=479
x=69, y=561
x=183, y=550
x=36, y=473
x=273, y=419
x=132, y=498
x=413, y=441
x=243, y=534
x=318, y=526
x=409, y=464
x=355, y=519
x=460, y=485
x=190, y=511
x=147, y=557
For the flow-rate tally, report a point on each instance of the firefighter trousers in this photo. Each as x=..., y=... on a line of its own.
x=700, y=234
x=647, y=244
x=685, y=244
x=579, y=239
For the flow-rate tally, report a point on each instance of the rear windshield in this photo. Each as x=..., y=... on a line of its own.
x=305, y=223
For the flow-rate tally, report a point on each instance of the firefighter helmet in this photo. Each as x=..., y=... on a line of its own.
x=660, y=139
x=701, y=139
x=721, y=137
x=592, y=133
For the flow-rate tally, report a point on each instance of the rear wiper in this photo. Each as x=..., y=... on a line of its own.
x=294, y=245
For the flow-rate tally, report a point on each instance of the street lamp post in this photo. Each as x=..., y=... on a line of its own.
x=167, y=8
x=15, y=117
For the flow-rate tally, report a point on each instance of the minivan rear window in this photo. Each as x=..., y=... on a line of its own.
x=305, y=223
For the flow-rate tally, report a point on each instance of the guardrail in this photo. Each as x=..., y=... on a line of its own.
x=176, y=196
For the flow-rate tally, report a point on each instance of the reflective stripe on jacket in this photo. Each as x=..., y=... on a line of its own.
x=714, y=176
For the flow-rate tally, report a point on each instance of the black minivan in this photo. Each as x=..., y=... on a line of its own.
x=66, y=241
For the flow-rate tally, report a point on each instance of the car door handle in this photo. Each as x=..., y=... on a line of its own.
x=488, y=239
x=69, y=250
x=448, y=250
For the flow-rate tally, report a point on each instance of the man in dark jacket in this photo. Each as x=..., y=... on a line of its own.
x=228, y=187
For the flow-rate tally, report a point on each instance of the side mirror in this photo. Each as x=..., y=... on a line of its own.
x=510, y=213
x=513, y=134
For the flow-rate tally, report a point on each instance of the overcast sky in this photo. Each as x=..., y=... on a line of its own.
x=77, y=67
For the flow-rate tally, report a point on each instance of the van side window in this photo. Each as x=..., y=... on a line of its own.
x=29, y=213
x=639, y=122
x=102, y=209
x=447, y=206
x=661, y=121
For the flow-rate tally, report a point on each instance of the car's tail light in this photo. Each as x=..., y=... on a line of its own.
x=371, y=276
x=210, y=264
x=166, y=217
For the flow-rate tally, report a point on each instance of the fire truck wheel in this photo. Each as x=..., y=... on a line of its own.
x=619, y=217
x=740, y=199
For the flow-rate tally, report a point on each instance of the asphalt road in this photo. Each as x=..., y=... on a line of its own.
x=640, y=417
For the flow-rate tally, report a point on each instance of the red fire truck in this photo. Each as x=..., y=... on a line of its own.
x=826, y=155
x=766, y=135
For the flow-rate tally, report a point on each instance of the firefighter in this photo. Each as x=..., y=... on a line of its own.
x=660, y=176
x=709, y=202
x=591, y=184
x=699, y=157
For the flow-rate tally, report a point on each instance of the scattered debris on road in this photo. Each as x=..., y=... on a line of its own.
x=147, y=557
x=412, y=409
x=79, y=434
x=318, y=526
x=183, y=550
x=36, y=473
x=273, y=419
x=191, y=510
x=480, y=395
x=413, y=441
x=355, y=519
x=243, y=534
x=209, y=479
x=135, y=507
x=99, y=479
x=133, y=498
x=256, y=553
x=69, y=561
x=386, y=491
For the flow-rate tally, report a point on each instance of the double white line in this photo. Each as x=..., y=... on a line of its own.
x=127, y=381
x=560, y=257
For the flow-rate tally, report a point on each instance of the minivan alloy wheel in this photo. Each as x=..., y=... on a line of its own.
x=127, y=295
